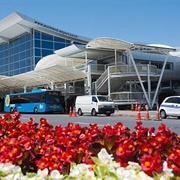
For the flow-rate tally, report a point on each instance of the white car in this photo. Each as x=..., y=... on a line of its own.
x=170, y=107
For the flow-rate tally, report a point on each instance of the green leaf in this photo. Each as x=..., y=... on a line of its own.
x=96, y=170
x=30, y=175
x=113, y=175
x=2, y=174
x=96, y=160
x=155, y=175
x=104, y=169
x=174, y=178
x=49, y=178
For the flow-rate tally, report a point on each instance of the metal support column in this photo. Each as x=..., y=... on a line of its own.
x=149, y=83
x=86, y=83
x=25, y=89
x=89, y=79
x=109, y=83
x=52, y=86
x=139, y=78
x=130, y=89
x=115, y=57
x=159, y=81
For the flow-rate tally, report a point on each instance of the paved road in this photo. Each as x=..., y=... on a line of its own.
x=128, y=119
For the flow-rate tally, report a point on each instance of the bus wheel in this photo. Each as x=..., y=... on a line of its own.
x=35, y=110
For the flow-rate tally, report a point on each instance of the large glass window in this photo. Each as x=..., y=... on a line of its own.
x=60, y=40
x=59, y=46
x=14, y=54
x=47, y=45
x=37, y=43
x=22, y=54
x=46, y=52
x=47, y=37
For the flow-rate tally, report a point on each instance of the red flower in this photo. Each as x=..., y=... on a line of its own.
x=120, y=150
x=145, y=148
x=26, y=142
x=147, y=164
x=42, y=163
x=173, y=155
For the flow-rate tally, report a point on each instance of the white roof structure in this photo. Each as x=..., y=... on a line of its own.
x=54, y=59
x=109, y=43
x=44, y=76
x=59, y=67
x=17, y=24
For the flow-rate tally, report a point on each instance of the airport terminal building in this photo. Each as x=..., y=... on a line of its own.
x=33, y=54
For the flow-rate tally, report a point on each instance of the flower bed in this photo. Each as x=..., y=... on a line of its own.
x=41, y=151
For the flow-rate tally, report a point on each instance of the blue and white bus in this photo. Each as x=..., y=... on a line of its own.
x=36, y=101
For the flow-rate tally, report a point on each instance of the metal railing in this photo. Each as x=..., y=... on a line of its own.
x=128, y=69
x=124, y=70
x=102, y=79
x=128, y=96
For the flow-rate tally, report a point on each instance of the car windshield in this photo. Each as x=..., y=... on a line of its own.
x=103, y=98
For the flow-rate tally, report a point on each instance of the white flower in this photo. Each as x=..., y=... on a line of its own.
x=1, y=165
x=7, y=167
x=56, y=175
x=104, y=157
x=18, y=176
x=79, y=170
x=143, y=176
x=42, y=173
x=133, y=165
x=90, y=175
x=16, y=169
x=166, y=170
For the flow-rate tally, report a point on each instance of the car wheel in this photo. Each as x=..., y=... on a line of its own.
x=35, y=110
x=94, y=112
x=80, y=112
x=163, y=114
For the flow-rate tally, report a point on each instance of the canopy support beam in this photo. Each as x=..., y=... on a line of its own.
x=139, y=78
x=159, y=81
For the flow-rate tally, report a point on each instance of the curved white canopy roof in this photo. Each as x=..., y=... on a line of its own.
x=70, y=50
x=53, y=74
x=109, y=43
x=54, y=59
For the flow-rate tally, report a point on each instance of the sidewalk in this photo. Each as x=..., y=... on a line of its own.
x=152, y=113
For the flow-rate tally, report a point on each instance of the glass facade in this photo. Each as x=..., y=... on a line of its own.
x=16, y=57
x=45, y=44
x=22, y=54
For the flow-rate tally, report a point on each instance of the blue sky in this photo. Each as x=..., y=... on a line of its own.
x=145, y=21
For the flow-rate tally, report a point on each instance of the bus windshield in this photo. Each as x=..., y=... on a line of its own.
x=53, y=98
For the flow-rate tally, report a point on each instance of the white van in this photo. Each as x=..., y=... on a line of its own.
x=94, y=104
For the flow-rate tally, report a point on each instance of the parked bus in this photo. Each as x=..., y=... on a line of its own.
x=36, y=101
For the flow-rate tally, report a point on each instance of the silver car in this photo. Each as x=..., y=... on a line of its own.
x=170, y=107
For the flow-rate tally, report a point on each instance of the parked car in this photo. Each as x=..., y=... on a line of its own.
x=170, y=107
